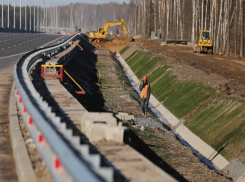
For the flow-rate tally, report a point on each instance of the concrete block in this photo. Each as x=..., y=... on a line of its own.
x=97, y=132
x=97, y=117
x=124, y=116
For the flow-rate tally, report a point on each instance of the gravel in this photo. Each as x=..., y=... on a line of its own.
x=149, y=122
x=235, y=169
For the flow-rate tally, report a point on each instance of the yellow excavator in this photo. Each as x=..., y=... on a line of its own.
x=102, y=33
x=204, y=44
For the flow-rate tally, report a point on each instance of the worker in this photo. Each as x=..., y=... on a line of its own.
x=145, y=92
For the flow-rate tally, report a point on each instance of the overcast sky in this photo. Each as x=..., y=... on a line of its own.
x=62, y=2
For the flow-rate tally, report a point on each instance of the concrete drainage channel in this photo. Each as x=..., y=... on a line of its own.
x=162, y=113
x=66, y=152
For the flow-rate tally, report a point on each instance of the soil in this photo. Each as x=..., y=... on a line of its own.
x=7, y=165
x=115, y=87
x=169, y=154
x=115, y=46
x=223, y=73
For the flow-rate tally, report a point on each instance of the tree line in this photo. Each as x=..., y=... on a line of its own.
x=183, y=19
x=175, y=19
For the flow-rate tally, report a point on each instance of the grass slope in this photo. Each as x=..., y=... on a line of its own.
x=220, y=121
x=177, y=96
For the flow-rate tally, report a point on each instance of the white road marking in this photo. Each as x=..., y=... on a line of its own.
x=29, y=51
x=14, y=55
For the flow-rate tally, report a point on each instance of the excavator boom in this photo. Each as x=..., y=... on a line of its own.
x=101, y=32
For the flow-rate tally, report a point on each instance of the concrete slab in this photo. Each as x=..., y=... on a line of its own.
x=133, y=165
x=198, y=144
x=97, y=132
x=124, y=116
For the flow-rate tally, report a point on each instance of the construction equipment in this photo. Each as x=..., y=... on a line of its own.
x=101, y=32
x=78, y=30
x=204, y=44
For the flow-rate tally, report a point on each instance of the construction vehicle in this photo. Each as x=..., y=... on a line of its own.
x=78, y=29
x=204, y=44
x=102, y=33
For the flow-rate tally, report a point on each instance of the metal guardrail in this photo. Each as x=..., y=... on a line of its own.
x=62, y=153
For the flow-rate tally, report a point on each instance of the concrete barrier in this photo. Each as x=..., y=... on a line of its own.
x=97, y=132
x=98, y=126
x=124, y=116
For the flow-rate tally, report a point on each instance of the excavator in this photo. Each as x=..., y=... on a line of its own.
x=204, y=44
x=102, y=33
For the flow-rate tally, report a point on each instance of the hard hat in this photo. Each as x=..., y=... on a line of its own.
x=145, y=78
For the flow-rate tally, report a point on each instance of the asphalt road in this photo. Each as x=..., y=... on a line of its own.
x=12, y=47
x=15, y=43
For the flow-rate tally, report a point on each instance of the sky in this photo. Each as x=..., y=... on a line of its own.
x=62, y=2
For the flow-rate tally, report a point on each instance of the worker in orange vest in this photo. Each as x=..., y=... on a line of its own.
x=145, y=92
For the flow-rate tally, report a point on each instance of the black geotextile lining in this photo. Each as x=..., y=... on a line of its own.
x=82, y=68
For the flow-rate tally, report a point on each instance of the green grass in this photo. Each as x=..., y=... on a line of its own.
x=124, y=50
x=132, y=55
x=178, y=96
x=148, y=66
x=157, y=73
x=222, y=121
x=136, y=58
x=140, y=63
x=144, y=63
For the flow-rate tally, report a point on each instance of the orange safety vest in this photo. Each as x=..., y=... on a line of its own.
x=144, y=92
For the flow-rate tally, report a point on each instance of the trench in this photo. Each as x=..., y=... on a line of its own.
x=86, y=67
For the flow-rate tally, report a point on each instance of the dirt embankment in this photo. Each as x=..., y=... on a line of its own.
x=115, y=46
x=224, y=74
